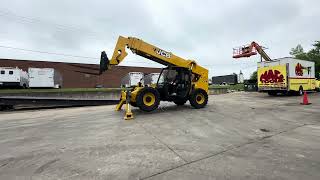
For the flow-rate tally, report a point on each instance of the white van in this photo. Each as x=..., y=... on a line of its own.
x=13, y=77
x=132, y=79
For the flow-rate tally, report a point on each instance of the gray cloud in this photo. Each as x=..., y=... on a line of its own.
x=203, y=30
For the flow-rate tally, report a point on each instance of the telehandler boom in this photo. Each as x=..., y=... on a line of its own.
x=180, y=81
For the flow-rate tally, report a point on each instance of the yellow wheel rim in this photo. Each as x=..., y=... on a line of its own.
x=149, y=99
x=200, y=98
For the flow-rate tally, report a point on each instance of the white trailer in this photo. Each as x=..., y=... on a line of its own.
x=151, y=78
x=44, y=78
x=132, y=79
x=13, y=77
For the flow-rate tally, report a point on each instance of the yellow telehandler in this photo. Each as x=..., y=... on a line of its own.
x=180, y=81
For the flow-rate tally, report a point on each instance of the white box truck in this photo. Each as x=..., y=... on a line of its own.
x=44, y=78
x=132, y=79
x=286, y=75
x=13, y=77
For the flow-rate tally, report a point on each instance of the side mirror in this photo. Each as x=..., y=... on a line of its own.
x=104, y=62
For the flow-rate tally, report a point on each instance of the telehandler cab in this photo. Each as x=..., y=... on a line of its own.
x=180, y=81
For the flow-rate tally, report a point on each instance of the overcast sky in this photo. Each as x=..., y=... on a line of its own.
x=202, y=30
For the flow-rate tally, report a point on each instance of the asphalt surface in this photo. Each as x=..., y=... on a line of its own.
x=237, y=136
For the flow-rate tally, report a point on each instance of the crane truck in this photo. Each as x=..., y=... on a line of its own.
x=180, y=81
x=284, y=75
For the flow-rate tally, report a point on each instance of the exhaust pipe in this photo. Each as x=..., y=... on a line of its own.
x=104, y=62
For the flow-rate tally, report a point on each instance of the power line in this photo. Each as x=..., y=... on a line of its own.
x=25, y=19
x=45, y=52
x=87, y=57
x=30, y=20
x=62, y=54
x=35, y=20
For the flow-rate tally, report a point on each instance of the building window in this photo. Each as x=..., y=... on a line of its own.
x=2, y=72
x=10, y=72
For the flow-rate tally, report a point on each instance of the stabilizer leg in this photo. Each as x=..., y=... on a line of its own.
x=120, y=104
x=123, y=100
x=128, y=114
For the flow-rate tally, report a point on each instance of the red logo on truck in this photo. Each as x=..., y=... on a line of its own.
x=271, y=76
x=299, y=69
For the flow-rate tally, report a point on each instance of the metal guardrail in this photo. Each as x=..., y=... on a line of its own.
x=19, y=102
x=51, y=100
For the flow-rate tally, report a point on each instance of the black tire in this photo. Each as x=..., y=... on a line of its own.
x=285, y=93
x=180, y=102
x=148, y=99
x=300, y=92
x=198, y=98
x=272, y=93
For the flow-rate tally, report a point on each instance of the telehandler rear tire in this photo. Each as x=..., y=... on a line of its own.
x=198, y=98
x=148, y=99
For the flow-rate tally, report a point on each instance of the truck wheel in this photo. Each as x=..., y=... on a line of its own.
x=148, y=99
x=300, y=91
x=198, y=98
x=180, y=102
x=272, y=93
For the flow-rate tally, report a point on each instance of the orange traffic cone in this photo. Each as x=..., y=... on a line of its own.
x=305, y=100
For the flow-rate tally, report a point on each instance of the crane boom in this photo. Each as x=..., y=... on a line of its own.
x=152, y=53
x=250, y=50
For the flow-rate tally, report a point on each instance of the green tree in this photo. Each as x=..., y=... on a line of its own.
x=254, y=76
x=311, y=55
x=297, y=50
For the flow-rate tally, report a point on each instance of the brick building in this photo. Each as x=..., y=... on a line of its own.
x=80, y=75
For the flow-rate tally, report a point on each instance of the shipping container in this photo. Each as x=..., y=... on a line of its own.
x=286, y=75
x=132, y=79
x=44, y=78
x=151, y=79
x=13, y=77
x=226, y=79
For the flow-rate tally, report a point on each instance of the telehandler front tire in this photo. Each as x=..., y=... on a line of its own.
x=198, y=98
x=148, y=99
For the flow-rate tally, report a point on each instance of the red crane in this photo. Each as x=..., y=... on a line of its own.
x=250, y=50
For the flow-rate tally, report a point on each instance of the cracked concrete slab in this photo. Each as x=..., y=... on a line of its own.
x=293, y=154
x=238, y=136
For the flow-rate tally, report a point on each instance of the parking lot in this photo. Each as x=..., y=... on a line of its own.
x=237, y=136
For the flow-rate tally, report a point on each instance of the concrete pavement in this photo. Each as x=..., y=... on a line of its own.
x=237, y=136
